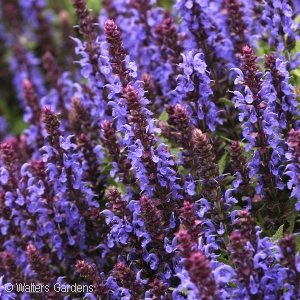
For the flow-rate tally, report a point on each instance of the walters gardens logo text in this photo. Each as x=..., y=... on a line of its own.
x=45, y=288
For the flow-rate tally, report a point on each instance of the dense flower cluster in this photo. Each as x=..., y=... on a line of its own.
x=160, y=156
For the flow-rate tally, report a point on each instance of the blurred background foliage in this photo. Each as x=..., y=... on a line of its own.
x=9, y=105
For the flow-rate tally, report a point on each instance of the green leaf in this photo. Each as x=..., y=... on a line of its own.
x=107, y=160
x=298, y=243
x=106, y=170
x=296, y=72
x=222, y=163
x=223, y=260
x=297, y=47
x=225, y=139
x=227, y=181
x=17, y=126
x=182, y=170
x=199, y=187
x=292, y=214
x=184, y=291
x=226, y=101
x=295, y=77
x=278, y=234
x=262, y=49
x=233, y=285
x=163, y=116
x=14, y=120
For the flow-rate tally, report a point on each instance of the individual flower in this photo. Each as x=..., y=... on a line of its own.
x=278, y=17
x=293, y=166
x=194, y=89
